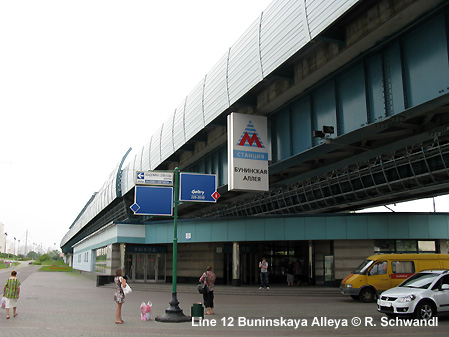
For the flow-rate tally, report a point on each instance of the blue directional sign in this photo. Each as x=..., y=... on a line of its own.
x=153, y=200
x=197, y=187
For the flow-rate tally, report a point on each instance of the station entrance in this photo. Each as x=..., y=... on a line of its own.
x=279, y=256
x=145, y=263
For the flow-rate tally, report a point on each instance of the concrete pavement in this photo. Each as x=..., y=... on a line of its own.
x=70, y=304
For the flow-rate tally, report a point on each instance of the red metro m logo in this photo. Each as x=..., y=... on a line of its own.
x=247, y=140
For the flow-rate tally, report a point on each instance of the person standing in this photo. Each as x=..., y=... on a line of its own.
x=119, y=296
x=11, y=291
x=263, y=265
x=298, y=272
x=290, y=274
x=209, y=277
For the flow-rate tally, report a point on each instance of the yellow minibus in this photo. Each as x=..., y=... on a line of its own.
x=384, y=271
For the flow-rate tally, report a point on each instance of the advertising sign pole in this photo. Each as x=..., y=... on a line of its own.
x=174, y=314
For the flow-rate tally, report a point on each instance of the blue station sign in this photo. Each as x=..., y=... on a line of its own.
x=153, y=200
x=198, y=187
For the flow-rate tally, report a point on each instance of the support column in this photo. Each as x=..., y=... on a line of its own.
x=442, y=246
x=236, y=264
x=122, y=256
x=311, y=272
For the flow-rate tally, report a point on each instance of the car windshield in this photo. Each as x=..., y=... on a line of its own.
x=363, y=267
x=419, y=280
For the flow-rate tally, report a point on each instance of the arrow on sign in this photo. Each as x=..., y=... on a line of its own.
x=140, y=175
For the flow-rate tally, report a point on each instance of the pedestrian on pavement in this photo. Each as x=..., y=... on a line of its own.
x=298, y=272
x=11, y=292
x=209, y=277
x=263, y=265
x=119, y=296
x=290, y=274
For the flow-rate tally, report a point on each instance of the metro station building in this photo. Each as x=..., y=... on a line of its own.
x=355, y=97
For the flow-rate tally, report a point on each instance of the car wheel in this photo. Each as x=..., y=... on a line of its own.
x=424, y=310
x=367, y=295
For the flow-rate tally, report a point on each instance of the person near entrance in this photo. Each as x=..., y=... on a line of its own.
x=209, y=277
x=263, y=265
x=119, y=296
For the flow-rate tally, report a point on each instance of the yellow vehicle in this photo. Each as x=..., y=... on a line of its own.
x=384, y=271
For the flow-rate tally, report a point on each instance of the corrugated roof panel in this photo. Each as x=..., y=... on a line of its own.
x=321, y=13
x=244, y=64
x=194, y=119
x=167, y=147
x=215, y=91
x=127, y=178
x=282, y=33
x=155, y=150
x=145, y=154
x=179, y=138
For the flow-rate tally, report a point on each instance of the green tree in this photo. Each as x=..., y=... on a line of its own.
x=43, y=258
x=32, y=255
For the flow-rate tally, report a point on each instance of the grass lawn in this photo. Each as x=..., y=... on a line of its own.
x=55, y=266
x=6, y=265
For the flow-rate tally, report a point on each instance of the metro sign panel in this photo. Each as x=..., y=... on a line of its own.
x=248, y=156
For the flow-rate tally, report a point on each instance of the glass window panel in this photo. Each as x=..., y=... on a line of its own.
x=400, y=267
x=406, y=245
x=426, y=246
x=383, y=246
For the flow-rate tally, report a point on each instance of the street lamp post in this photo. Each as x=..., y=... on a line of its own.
x=14, y=254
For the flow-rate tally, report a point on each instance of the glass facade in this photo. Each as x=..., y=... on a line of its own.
x=404, y=246
x=100, y=260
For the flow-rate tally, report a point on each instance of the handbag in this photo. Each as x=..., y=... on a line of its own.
x=3, y=302
x=127, y=289
x=203, y=288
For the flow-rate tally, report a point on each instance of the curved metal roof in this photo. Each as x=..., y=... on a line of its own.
x=280, y=31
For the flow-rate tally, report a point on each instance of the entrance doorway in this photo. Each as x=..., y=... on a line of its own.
x=144, y=267
x=249, y=268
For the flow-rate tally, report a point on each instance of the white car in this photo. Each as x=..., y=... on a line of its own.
x=423, y=295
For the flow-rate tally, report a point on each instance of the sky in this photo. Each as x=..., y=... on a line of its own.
x=83, y=81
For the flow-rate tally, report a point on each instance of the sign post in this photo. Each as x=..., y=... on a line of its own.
x=174, y=314
x=157, y=200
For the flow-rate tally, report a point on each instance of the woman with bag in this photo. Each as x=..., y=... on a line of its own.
x=11, y=292
x=208, y=278
x=119, y=296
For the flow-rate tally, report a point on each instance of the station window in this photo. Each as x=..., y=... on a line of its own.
x=404, y=246
x=384, y=246
x=100, y=260
x=426, y=246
